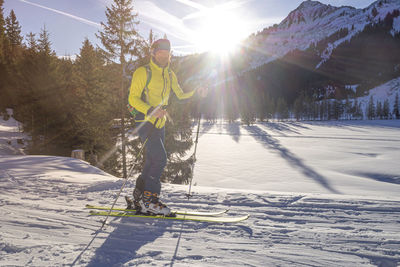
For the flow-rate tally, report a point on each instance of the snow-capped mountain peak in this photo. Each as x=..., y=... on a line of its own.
x=308, y=11
x=312, y=22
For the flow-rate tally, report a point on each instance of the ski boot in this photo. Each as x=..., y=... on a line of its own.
x=137, y=195
x=150, y=204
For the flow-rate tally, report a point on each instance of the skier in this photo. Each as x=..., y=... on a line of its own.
x=149, y=93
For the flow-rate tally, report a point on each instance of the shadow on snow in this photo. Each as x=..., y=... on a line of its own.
x=131, y=234
x=122, y=245
x=233, y=130
x=270, y=142
x=380, y=177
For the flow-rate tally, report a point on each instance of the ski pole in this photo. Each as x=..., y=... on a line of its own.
x=194, y=156
x=127, y=178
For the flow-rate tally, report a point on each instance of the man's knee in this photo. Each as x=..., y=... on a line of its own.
x=161, y=160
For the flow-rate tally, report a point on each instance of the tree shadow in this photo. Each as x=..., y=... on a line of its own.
x=271, y=143
x=352, y=125
x=123, y=244
x=380, y=177
x=282, y=127
x=233, y=130
x=298, y=124
x=361, y=126
x=205, y=127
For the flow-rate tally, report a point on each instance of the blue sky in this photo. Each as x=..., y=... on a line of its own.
x=186, y=22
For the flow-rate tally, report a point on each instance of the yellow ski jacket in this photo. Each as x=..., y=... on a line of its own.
x=158, y=91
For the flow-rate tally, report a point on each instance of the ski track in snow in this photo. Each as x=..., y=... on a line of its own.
x=43, y=223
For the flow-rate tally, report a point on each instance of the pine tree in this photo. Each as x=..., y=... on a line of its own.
x=316, y=110
x=371, y=112
x=93, y=111
x=144, y=52
x=308, y=105
x=13, y=30
x=121, y=39
x=261, y=108
x=231, y=104
x=247, y=105
x=44, y=43
x=269, y=107
x=26, y=84
x=385, y=109
x=322, y=110
x=178, y=141
x=357, y=111
x=337, y=108
x=282, y=109
x=3, y=71
x=12, y=49
x=2, y=32
x=31, y=42
x=39, y=82
x=178, y=135
x=347, y=109
x=150, y=41
x=379, y=110
x=298, y=107
x=396, y=112
x=329, y=109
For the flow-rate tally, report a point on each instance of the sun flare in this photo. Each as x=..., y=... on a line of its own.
x=220, y=32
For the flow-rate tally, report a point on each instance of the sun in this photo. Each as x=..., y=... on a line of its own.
x=220, y=31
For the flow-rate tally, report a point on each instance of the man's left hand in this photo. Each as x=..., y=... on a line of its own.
x=202, y=91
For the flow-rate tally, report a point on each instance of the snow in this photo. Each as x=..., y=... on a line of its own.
x=396, y=26
x=317, y=157
x=352, y=87
x=386, y=91
x=10, y=133
x=318, y=194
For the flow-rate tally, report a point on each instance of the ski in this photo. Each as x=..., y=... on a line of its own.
x=180, y=217
x=180, y=212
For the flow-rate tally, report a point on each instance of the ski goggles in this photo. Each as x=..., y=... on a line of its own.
x=161, y=44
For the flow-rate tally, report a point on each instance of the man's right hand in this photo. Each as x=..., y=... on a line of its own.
x=159, y=113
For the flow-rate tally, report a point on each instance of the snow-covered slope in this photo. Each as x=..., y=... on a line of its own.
x=386, y=91
x=313, y=21
x=12, y=140
x=341, y=206
x=343, y=157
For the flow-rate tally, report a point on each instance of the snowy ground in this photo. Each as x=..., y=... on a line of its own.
x=319, y=194
x=11, y=139
x=343, y=157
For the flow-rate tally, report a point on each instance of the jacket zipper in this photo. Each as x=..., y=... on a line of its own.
x=163, y=91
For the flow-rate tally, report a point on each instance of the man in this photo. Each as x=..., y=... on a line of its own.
x=149, y=93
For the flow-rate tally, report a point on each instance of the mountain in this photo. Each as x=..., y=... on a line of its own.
x=312, y=22
x=318, y=49
x=308, y=12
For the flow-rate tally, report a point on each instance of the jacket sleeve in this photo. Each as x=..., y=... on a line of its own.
x=138, y=83
x=178, y=90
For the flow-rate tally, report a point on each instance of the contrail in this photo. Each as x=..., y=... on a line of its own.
x=204, y=11
x=163, y=21
x=88, y=22
x=192, y=4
